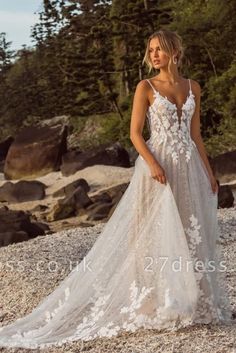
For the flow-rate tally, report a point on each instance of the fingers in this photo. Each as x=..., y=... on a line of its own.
x=160, y=178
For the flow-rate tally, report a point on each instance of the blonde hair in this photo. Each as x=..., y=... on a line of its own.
x=169, y=42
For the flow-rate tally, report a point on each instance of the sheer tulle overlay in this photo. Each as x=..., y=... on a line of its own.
x=156, y=263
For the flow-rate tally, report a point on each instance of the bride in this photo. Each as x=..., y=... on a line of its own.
x=156, y=263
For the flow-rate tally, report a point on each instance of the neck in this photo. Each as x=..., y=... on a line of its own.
x=172, y=78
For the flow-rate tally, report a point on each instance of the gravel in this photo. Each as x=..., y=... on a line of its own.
x=24, y=286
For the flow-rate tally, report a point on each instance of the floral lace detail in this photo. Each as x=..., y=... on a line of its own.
x=136, y=299
x=207, y=308
x=194, y=235
x=49, y=315
x=134, y=320
x=166, y=128
x=131, y=324
x=26, y=337
x=96, y=313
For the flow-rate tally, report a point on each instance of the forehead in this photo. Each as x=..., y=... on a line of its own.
x=154, y=42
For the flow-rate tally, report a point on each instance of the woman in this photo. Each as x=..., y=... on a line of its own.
x=155, y=264
x=171, y=84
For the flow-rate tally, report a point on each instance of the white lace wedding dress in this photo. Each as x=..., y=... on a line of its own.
x=156, y=263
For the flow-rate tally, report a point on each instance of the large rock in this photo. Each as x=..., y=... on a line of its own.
x=93, y=208
x=225, y=197
x=224, y=166
x=16, y=226
x=8, y=238
x=70, y=188
x=22, y=191
x=2, y=166
x=4, y=147
x=99, y=211
x=56, y=120
x=105, y=202
x=133, y=155
x=36, y=151
x=110, y=155
x=70, y=205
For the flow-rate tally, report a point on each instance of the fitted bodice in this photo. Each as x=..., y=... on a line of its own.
x=166, y=127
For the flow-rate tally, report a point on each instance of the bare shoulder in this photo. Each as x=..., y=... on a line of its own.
x=142, y=85
x=196, y=88
x=143, y=91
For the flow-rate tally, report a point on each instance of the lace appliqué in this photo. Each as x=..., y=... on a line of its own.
x=208, y=310
x=166, y=128
x=49, y=315
x=131, y=324
x=194, y=235
x=26, y=337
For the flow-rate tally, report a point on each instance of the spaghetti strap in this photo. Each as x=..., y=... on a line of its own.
x=151, y=85
x=190, y=89
x=189, y=85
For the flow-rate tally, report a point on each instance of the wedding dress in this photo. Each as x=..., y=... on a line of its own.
x=156, y=263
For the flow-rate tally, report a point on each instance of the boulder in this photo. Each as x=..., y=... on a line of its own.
x=2, y=167
x=107, y=155
x=13, y=237
x=4, y=147
x=225, y=197
x=133, y=155
x=115, y=192
x=16, y=226
x=102, y=196
x=70, y=188
x=22, y=191
x=56, y=120
x=97, y=207
x=224, y=166
x=99, y=211
x=105, y=202
x=39, y=208
x=70, y=205
x=36, y=151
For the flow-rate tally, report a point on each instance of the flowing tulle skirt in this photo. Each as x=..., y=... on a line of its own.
x=156, y=264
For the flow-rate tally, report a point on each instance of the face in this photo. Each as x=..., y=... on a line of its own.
x=157, y=56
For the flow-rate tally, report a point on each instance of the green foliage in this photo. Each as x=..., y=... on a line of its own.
x=78, y=123
x=87, y=62
x=113, y=128
x=208, y=31
x=223, y=140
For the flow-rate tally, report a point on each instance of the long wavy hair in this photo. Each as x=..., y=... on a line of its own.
x=169, y=42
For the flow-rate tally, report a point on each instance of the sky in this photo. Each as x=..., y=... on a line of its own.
x=16, y=19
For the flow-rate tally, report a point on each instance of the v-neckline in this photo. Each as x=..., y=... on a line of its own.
x=174, y=104
x=165, y=97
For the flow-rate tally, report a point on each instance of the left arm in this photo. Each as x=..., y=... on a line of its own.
x=196, y=135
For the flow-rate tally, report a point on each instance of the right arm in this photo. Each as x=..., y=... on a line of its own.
x=140, y=105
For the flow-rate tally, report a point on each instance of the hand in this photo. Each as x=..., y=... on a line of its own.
x=158, y=173
x=214, y=184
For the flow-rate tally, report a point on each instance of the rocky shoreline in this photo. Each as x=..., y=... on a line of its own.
x=48, y=184
x=75, y=202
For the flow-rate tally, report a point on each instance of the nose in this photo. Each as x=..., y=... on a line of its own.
x=156, y=53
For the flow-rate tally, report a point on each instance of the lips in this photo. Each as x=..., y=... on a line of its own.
x=156, y=62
